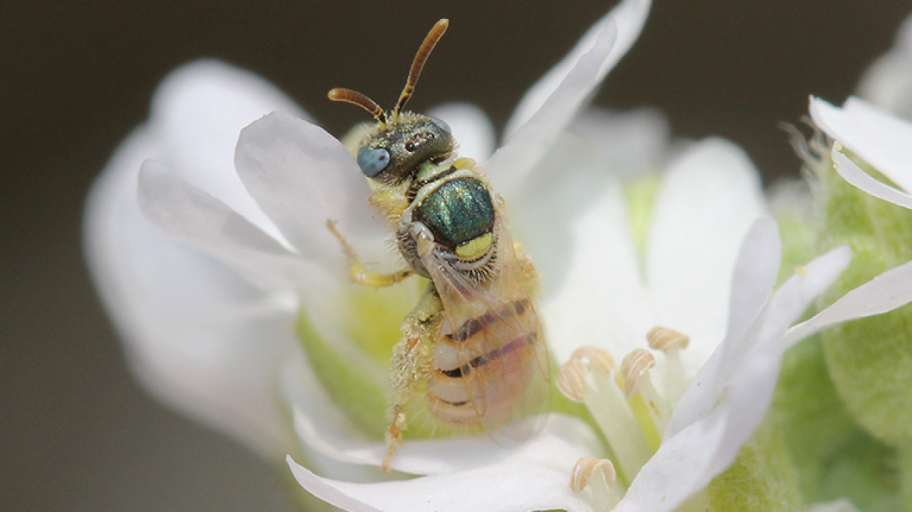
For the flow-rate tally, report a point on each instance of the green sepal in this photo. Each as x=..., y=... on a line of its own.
x=869, y=360
x=864, y=471
x=356, y=383
x=761, y=479
x=812, y=419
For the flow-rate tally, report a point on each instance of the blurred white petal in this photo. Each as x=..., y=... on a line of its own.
x=628, y=18
x=602, y=300
x=842, y=505
x=688, y=263
x=472, y=129
x=864, y=181
x=185, y=318
x=885, y=292
x=876, y=136
x=196, y=115
x=753, y=279
x=302, y=176
x=562, y=442
x=553, y=102
x=192, y=215
x=630, y=143
x=887, y=83
x=500, y=488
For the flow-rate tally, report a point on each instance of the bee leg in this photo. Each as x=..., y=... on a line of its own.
x=527, y=268
x=358, y=271
x=410, y=364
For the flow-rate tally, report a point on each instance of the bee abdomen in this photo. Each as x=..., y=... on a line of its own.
x=483, y=390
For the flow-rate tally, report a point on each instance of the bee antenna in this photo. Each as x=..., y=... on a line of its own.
x=430, y=41
x=356, y=98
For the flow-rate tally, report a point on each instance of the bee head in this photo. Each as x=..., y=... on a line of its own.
x=402, y=141
x=394, y=152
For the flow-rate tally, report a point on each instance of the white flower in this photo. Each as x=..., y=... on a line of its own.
x=208, y=309
x=698, y=280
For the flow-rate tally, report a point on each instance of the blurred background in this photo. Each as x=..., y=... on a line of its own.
x=76, y=433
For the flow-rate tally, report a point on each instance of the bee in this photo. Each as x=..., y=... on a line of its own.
x=474, y=340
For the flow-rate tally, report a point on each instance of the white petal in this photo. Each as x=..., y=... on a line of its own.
x=841, y=505
x=879, y=138
x=555, y=100
x=192, y=215
x=471, y=127
x=601, y=301
x=690, y=458
x=674, y=473
x=864, y=181
x=631, y=143
x=197, y=113
x=198, y=337
x=302, y=176
x=502, y=488
x=563, y=441
x=709, y=200
x=888, y=81
x=885, y=292
x=305, y=395
x=752, y=283
x=629, y=18
x=754, y=369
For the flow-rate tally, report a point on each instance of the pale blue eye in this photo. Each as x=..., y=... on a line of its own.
x=442, y=125
x=373, y=160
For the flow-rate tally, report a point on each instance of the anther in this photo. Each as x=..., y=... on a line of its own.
x=665, y=339
x=586, y=468
x=595, y=358
x=634, y=366
x=571, y=380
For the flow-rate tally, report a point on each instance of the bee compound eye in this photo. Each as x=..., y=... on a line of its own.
x=442, y=125
x=373, y=161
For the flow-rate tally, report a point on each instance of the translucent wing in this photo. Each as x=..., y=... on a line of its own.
x=491, y=362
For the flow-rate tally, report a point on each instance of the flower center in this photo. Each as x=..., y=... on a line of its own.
x=632, y=405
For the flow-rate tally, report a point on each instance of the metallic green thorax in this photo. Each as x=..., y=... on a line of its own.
x=458, y=211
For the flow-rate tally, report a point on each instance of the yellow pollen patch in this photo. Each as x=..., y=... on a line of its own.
x=476, y=247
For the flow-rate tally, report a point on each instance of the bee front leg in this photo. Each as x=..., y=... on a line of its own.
x=358, y=271
x=410, y=364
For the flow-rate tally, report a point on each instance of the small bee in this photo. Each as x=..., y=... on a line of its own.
x=474, y=339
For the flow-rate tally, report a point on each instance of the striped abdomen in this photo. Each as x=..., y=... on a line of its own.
x=483, y=367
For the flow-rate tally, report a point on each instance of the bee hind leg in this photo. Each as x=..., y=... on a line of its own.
x=410, y=364
x=358, y=272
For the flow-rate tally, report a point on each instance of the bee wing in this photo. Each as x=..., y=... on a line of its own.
x=492, y=342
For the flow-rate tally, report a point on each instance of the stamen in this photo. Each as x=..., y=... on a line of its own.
x=635, y=366
x=665, y=339
x=616, y=420
x=649, y=407
x=597, y=358
x=571, y=380
x=585, y=469
x=589, y=377
x=605, y=493
x=671, y=343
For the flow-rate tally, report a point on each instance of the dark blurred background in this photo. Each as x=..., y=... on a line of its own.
x=76, y=433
